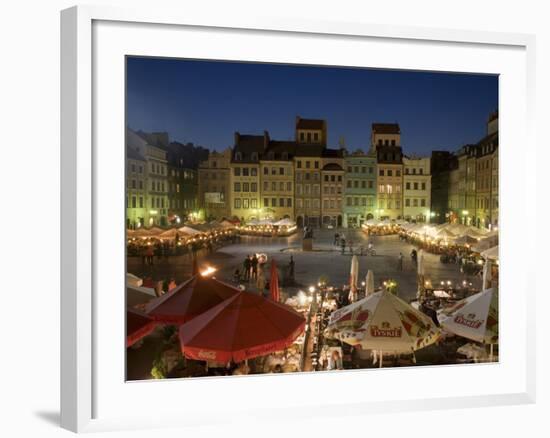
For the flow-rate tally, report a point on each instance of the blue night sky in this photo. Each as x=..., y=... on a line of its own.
x=205, y=102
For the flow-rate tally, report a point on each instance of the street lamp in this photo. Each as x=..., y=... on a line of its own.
x=465, y=216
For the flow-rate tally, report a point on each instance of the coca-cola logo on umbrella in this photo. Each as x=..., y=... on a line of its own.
x=206, y=354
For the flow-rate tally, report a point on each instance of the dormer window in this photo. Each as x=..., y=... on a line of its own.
x=238, y=156
x=285, y=156
x=254, y=156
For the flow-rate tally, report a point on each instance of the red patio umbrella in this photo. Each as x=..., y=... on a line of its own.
x=138, y=325
x=274, y=282
x=189, y=299
x=239, y=328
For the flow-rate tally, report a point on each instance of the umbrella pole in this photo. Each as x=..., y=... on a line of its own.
x=490, y=352
x=380, y=358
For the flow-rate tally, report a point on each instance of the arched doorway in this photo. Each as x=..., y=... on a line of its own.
x=339, y=220
x=300, y=222
x=370, y=216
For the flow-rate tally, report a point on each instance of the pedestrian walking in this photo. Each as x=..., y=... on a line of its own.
x=246, y=268
x=400, y=262
x=414, y=256
x=254, y=264
x=343, y=245
x=291, y=269
x=150, y=255
x=336, y=239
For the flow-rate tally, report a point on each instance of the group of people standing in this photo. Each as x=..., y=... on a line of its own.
x=250, y=268
x=340, y=240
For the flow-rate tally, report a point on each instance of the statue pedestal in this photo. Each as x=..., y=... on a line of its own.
x=307, y=244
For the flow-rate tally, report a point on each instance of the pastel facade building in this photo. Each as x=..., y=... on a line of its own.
x=277, y=181
x=417, y=189
x=332, y=187
x=386, y=139
x=245, y=176
x=359, y=188
x=214, y=196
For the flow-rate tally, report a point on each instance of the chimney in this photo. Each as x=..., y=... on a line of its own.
x=266, y=140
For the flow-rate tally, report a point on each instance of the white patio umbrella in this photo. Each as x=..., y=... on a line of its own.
x=458, y=229
x=382, y=322
x=465, y=240
x=227, y=224
x=420, y=273
x=486, y=243
x=445, y=234
x=133, y=280
x=369, y=283
x=420, y=263
x=171, y=234
x=188, y=230
x=285, y=221
x=475, y=232
x=487, y=274
x=155, y=231
x=491, y=253
x=475, y=317
x=353, y=278
x=142, y=232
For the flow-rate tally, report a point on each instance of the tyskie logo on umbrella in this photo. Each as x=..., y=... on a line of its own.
x=469, y=320
x=385, y=331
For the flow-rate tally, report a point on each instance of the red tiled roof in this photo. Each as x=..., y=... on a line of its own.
x=386, y=128
x=310, y=124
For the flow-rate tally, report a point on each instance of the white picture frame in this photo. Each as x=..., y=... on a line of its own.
x=84, y=383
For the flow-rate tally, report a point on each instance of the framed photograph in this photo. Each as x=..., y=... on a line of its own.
x=271, y=218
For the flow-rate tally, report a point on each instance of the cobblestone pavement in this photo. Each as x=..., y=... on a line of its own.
x=326, y=259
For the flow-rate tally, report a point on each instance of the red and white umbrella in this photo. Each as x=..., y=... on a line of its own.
x=274, y=282
x=353, y=278
x=138, y=325
x=369, y=283
x=475, y=317
x=239, y=328
x=383, y=322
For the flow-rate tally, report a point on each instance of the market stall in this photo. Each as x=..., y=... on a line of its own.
x=381, y=228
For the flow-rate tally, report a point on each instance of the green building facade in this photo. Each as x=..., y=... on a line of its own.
x=359, y=188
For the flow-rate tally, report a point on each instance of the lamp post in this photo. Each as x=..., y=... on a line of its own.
x=465, y=217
